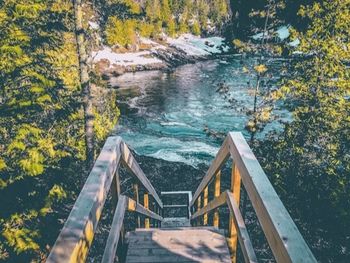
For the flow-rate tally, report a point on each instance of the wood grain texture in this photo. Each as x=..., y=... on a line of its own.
x=146, y=205
x=74, y=240
x=205, y=202
x=236, y=190
x=217, y=185
x=114, y=234
x=220, y=159
x=243, y=236
x=130, y=163
x=283, y=236
x=137, y=207
x=186, y=244
x=215, y=203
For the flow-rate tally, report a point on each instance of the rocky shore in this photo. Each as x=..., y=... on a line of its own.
x=151, y=55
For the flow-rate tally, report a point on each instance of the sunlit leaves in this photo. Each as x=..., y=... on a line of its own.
x=2, y=164
x=261, y=68
x=311, y=157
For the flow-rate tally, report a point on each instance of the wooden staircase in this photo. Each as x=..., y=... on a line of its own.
x=184, y=238
x=176, y=240
x=183, y=244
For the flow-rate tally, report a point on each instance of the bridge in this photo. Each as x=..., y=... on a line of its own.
x=194, y=235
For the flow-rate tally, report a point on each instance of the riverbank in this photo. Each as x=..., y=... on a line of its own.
x=151, y=55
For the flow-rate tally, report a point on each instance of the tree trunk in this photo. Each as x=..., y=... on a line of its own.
x=85, y=84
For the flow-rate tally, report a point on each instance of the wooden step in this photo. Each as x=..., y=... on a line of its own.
x=172, y=222
x=183, y=244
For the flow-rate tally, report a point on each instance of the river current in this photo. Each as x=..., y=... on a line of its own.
x=167, y=115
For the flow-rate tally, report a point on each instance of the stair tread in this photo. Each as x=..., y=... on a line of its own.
x=183, y=244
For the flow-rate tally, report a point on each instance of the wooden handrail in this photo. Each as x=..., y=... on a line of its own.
x=74, y=240
x=124, y=203
x=244, y=239
x=284, y=238
x=221, y=157
x=131, y=164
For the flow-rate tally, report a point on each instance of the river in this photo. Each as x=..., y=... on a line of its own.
x=167, y=115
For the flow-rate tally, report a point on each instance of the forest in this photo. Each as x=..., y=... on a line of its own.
x=58, y=104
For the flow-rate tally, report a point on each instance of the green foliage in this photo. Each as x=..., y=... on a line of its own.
x=196, y=29
x=310, y=161
x=124, y=21
x=120, y=32
x=41, y=122
x=132, y=5
x=146, y=29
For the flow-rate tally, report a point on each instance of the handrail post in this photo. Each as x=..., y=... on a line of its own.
x=205, y=202
x=199, y=202
x=137, y=199
x=116, y=192
x=157, y=212
x=146, y=205
x=115, y=189
x=236, y=190
x=216, y=194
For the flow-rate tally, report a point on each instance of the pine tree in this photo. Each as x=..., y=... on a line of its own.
x=165, y=11
x=196, y=29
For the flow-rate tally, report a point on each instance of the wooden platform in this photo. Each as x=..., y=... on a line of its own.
x=187, y=244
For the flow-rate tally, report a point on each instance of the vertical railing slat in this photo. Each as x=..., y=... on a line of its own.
x=199, y=203
x=217, y=184
x=146, y=205
x=236, y=190
x=137, y=199
x=205, y=202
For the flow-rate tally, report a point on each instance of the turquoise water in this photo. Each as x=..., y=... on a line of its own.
x=165, y=114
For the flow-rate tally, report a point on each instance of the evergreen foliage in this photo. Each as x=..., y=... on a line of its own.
x=42, y=123
x=157, y=16
x=310, y=160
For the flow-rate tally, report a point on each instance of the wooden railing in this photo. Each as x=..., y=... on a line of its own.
x=75, y=239
x=283, y=237
x=125, y=203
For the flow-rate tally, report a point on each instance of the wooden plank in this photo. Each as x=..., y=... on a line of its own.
x=219, y=160
x=146, y=205
x=136, y=197
x=205, y=202
x=74, y=241
x=176, y=193
x=194, y=244
x=137, y=207
x=236, y=190
x=217, y=184
x=283, y=236
x=114, y=234
x=243, y=236
x=134, y=168
x=217, y=202
x=174, y=206
x=199, y=204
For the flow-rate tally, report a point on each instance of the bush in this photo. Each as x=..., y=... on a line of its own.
x=120, y=32
x=196, y=29
x=145, y=29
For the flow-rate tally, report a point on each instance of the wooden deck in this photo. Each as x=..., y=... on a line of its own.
x=187, y=244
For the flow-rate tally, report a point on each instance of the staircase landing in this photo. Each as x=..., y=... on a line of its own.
x=183, y=244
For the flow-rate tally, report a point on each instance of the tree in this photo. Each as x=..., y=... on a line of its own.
x=165, y=12
x=37, y=87
x=153, y=10
x=309, y=161
x=85, y=84
x=196, y=29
